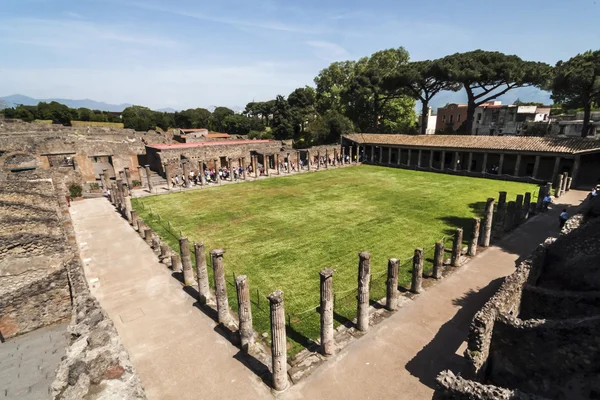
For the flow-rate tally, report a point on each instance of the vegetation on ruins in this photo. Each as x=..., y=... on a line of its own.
x=374, y=94
x=282, y=232
x=75, y=190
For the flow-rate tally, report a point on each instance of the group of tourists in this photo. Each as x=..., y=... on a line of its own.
x=563, y=216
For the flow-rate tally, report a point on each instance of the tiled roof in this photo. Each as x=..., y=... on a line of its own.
x=204, y=144
x=510, y=143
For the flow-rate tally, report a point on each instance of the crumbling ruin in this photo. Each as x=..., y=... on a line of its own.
x=537, y=336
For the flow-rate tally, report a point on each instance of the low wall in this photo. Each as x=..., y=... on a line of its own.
x=557, y=359
x=541, y=303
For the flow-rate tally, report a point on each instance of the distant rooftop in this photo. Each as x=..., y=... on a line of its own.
x=204, y=144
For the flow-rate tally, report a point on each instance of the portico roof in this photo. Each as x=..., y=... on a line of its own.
x=532, y=144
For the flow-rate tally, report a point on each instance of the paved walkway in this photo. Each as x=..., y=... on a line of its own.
x=28, y=363
x=172, y=344
x=178, y=354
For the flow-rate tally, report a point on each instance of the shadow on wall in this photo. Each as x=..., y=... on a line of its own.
x=441, y=351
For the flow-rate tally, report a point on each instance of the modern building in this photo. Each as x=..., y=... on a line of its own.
x=495, y=119
x=450, y=117
x=529, y=159
x=431, y=122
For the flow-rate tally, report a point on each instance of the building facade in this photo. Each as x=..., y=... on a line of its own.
x=450, y=117
x=495, y=119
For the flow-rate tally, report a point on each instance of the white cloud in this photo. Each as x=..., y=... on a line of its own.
x=328, y=51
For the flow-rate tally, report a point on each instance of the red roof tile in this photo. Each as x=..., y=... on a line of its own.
x=203, y=144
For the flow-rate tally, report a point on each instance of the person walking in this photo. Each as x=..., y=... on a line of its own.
x=546, y=202
x=563, y=217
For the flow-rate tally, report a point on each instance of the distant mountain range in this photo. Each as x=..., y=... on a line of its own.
x=16, y=99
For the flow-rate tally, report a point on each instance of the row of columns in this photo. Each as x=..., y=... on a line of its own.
x=456, y=158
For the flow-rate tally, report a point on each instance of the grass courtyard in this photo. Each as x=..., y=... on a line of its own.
x=282, y=232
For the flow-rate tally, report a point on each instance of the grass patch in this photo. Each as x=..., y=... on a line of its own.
x=282, y=232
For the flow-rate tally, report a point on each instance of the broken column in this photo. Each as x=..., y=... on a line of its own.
x=318, y=160
x=510, y=216
x=438, y=260
x=186, y=173
x=201, y=172
x=518, y=210
x=156, y=245
x=391, y=298
x=243, y=176
x=255, y=166
x=326, y=158
x=203, y=286
x=364, y=277
x=104, y=179
x=456, y=248
x=557, y=192
x=569, y=182
x=147, y=168
x=186, y=261
x=128, y=177
x=472, y=251
x=148, y=236
x=278, y=341
x=176, y=263
x=267, y=163
x=488, y=220
x=563, y=189
x=141, y=228
x=244, y=312
x=540, y=199
x=220, y=286
x=168, y=175
x=277, y=164
x=327, y=341
x=417, y=271
x=134, y=219
x=126, y=202
x=526, y=206
x=165, y=253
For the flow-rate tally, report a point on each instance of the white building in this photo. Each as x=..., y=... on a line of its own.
x=431, y=122
x=494, y=119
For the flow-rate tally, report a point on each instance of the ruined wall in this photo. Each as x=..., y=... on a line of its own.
x=452, y=387
x=34, y=290
x=556, y=359
x=542, y=303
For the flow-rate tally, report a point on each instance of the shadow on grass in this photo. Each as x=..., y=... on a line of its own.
x=440, y=353
x=464, y=222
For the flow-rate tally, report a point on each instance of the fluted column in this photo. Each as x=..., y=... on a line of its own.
x=186, y=261
x=244, y=312
x=220, y=286
x=391, y=297
x=438, y=260
x=417, y=278
x=168, y=175
x=147, y=168
x=487, y=222
x=474, y=238
x=176, y=263
x=364, y=277
x=278, y=341
x=327, y=341
x=203, y=286
x=456, y=248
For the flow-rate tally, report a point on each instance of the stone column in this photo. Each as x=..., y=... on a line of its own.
x=558, y=190
x=142, y=228
x=391, y=298
x=350, y=155
x=431, y=159
x=419, y=158
x=417, y=270
x=147, y=168
x=472, y=251
x=203, y=286
x=217, y=162
x=408, y=157
x=113, y=195
x=308, y=160
x=456, y=247
x=148, y=236
x=326, y=158
x=229, y=168
x=364, y=278
x=510, y=216
x=128, y=177
x=484, y=164
x=277, y=164
x=318, y=160
x=104, y=179
x=220, y=286
x=555, y=170
x=186, y=173
x=575, y=170
x=278, y=341
x=456, y=161
x=372, y=154
x=140, y=169
x=165, y=252
x=526, y=206
x=122, y=176
x=119, y=193
x=343, y=155
x=517, y=165
x=518, y=210
x=255, y=166
x=297, y=161
x=389, y=155
x=470, y=162
x=563, y=188
x=399, y=156
x=500, y=164
x=540, y=199
x=168, y=175
x=488, y=221
x=327, y=341
x=176, y=263
x=569, y=183
x=201, y=172
x=443, y=163
x=438, y=260
x=244, y=312
x=134, y=219
x=380, y=154
x=536, y=166
x=186, y=261
x=267, y=164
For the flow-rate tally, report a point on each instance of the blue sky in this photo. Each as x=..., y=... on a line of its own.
x=183, y=53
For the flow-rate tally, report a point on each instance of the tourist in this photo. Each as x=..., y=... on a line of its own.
x=563, y=217
x=176, y=180
x=173, y=181
x=546, y=202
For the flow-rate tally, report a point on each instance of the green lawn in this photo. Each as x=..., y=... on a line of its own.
x=282, y=232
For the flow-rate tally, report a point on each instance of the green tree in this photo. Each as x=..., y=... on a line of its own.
x=485, y=75
x=332, y=82
x=192, y=118
x=329, y=127
x=238, y=124
x=85, y=114
x=420, y=81
x=283, y=127
x=217, y=118
x=577, y=84
x=139, y=118
x=302, y=103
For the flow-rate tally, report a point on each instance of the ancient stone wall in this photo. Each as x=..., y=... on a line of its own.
x=452, y=387
x=34, y=290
